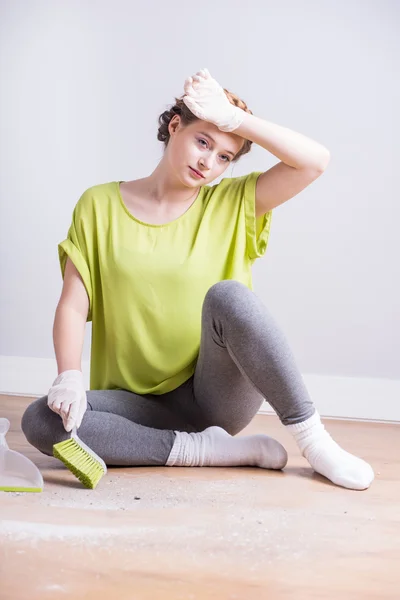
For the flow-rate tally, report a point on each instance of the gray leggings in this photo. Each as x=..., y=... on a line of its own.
x=243, y=358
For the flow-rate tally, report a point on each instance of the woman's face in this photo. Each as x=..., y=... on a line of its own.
x=200, y=146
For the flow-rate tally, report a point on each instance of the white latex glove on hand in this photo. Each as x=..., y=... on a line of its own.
x=206, y=99
x=67, y=397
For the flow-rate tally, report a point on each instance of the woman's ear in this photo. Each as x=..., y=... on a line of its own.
x=174, y=124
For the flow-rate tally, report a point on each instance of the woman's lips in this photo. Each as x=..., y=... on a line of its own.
x=196, y=173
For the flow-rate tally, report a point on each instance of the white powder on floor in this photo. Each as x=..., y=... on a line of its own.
x=26, y=530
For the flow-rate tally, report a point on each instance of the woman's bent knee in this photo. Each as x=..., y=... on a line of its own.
x=42, y=427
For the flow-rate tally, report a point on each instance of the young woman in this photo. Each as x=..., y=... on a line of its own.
x=183, y=351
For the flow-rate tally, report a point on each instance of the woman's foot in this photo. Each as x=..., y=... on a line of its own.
x=328, y=458
x=215, y=447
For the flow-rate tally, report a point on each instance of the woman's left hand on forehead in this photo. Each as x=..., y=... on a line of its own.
x=206, y=99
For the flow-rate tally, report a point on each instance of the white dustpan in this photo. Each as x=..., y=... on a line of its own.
x=17, y=472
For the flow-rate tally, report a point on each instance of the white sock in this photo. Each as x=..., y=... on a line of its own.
x=215, y=447
x=328, y=458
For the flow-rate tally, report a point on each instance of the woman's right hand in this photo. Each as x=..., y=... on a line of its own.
x=67, y=397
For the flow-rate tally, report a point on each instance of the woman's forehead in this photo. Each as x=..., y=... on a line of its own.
x=227, y=141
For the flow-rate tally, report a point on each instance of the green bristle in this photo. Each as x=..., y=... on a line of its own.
x=86, y=468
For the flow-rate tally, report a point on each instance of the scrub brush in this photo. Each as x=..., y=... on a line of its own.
x=85, y=464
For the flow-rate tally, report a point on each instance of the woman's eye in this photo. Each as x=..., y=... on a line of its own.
x=226, y=158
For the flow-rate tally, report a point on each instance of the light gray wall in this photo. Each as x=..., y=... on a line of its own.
x=82, y=85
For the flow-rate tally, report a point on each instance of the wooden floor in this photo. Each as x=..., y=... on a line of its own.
x=200, y=533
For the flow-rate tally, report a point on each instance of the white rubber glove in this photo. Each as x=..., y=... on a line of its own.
x=67, y=397
x=206, y=99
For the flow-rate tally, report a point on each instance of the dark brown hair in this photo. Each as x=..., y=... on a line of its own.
x=187, y=117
